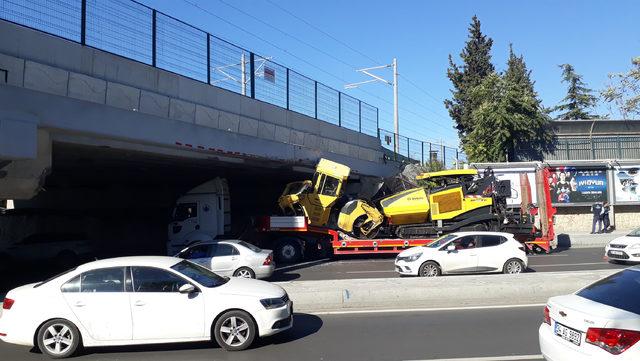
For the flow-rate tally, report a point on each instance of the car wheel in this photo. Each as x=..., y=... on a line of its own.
x=513, y=266
x=429, y=269
x=288, y=251
x=235, y=330
x=58, y=338
x=244, y=272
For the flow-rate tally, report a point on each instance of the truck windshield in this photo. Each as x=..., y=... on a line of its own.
x=199, y=274
x=441, y=241
x=185, y=211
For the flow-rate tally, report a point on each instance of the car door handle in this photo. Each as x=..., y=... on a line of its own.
x=473, y=254
x=139, y=303
x=80, y=304
x=234, y=258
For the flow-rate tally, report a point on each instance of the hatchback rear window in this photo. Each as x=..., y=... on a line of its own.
x=621, y=290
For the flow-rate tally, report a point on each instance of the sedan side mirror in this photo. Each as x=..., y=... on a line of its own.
x=451, y=248
x=187, y=288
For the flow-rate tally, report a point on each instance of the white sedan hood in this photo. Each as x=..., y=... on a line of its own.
x=250, y=287
x=626, y=240
x=413, y=250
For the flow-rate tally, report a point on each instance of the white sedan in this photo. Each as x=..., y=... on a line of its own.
x=624, y=249
x=464, y=252
x=141, y=300
x=598, y=323
x=231, y=258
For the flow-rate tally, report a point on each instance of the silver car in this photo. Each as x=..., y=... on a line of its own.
x=231, y=258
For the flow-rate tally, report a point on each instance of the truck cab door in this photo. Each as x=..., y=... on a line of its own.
x=319, y=203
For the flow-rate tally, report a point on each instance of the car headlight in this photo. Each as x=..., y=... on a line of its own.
x=270, y=303
x=414, y=257
x=635, y=246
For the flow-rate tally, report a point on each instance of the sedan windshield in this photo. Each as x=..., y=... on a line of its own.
x=441, y=241
x=634, y=233
x=199, y=274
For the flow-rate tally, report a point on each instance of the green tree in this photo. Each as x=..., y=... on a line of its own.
x=476, y=58
x=579, y=99
x=510, y=123
x=624, y=91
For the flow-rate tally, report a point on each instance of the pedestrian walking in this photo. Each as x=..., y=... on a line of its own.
x=596, y=209
x=605, y=216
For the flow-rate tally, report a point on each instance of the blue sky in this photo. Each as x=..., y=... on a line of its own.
x=597, y=37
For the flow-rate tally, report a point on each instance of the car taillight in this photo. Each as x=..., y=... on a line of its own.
x=547, y=318
x=612, y=340
x=268, y=260
x=7, y=303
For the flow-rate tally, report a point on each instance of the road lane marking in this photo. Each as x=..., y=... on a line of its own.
x=493, y=358
x=310, y=263
x=570, y=264
x=370, y=272
x=404, y=310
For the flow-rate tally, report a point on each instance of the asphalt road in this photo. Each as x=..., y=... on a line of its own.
x=382, y=266
x=504, y=333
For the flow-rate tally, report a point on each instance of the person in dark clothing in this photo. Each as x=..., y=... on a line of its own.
x=596, y=209
x=605, y=216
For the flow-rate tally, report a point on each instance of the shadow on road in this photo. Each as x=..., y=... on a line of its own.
x=304, y=325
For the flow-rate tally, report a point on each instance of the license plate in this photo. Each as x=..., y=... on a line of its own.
x=568, y=334
x=619, y=253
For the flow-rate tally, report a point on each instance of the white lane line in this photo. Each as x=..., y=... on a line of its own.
x=493, y=358
x=404, y=310
x=318, y=261
x=370, y=272
x=547, y=255
x=569, y=264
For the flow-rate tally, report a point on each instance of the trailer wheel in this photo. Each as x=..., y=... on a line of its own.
x=288, y=251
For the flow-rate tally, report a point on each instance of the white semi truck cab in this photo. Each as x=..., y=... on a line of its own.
x=200, y=215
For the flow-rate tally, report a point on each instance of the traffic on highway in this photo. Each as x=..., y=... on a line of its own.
x=196, y=180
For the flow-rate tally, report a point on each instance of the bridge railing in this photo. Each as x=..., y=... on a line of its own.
x=138, y=32
x=418, y=151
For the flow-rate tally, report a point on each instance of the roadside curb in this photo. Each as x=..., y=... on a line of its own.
x=440, y=292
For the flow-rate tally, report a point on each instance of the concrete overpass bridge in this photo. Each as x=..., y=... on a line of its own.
x=71, y=112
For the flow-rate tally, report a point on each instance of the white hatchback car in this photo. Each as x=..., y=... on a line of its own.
x=624, y=249
x=141, y=300
x=464, y=252
x=231, y=258
x=598, y=323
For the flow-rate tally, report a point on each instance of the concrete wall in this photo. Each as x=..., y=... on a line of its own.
x=579, y=219
x=51, y=65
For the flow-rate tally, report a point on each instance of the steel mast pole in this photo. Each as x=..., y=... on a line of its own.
x=396, y=126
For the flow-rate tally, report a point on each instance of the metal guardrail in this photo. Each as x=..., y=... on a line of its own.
x=135, y=31
x=422, y=152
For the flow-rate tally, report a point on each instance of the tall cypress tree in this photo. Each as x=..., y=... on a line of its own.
x=476, y=58
x=579, y=99
x=510, y=123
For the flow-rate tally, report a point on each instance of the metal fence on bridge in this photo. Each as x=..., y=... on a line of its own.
x=140, y=33
x=598, y=147
x=422, y=152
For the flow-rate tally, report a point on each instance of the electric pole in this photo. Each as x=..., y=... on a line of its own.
x=367, y=71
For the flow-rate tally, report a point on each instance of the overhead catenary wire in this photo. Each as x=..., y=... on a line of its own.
x=266, y=41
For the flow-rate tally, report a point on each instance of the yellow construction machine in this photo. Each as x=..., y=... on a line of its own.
x=452, y=200
x=315, y=199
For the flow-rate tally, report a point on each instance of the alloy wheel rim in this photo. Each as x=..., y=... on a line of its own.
x=430, y=271
x=234, y=331
x=244, y=273
x=57, y=339
x=514, y=267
